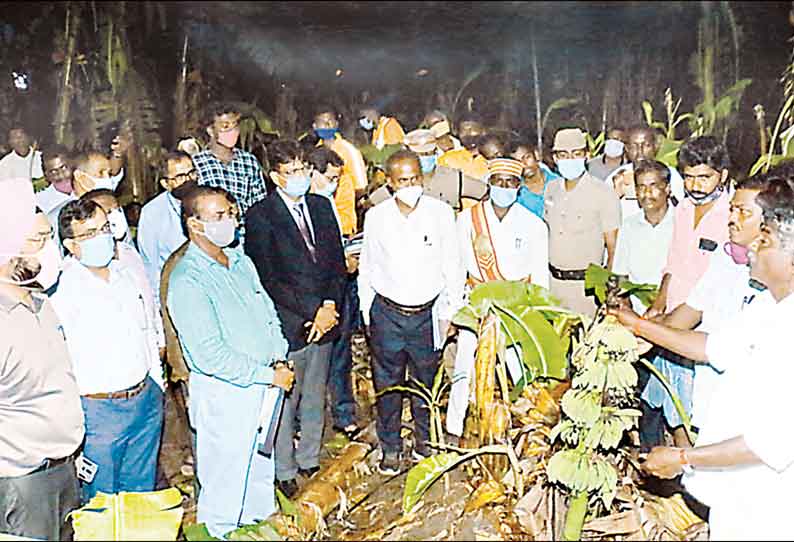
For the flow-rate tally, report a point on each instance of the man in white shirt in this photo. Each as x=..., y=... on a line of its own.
x=23, y=162
x=499, y=240
x=159, y=228
x=740, y=467
x=410, y=283
x=111, y=336
x=644, y=238
x=58, y=172
x=641, y=145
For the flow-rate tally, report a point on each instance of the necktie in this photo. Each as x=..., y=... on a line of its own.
x=304, y=229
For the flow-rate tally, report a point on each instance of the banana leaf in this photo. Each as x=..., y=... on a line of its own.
x=154, y=515
x=596, y=277
x=422, y=476
x=668, y=151
x=198, y=533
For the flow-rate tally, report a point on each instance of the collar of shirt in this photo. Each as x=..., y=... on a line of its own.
x=7, y=304
x=234, y=255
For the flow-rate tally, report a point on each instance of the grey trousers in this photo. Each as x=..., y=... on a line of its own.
x=306, y=401
x=36, y=505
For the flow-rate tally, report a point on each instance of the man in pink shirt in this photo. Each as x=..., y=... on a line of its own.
x=699, y=228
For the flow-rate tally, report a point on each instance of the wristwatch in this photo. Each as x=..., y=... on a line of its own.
x=686, y=466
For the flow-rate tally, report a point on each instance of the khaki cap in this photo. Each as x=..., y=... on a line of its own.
x=420, y=140
x=569, y=139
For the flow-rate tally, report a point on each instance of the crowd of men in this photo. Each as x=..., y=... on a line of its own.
x=240, y=279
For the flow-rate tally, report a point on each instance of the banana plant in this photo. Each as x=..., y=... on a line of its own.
x=596, y=414
x=669, y=146
x=594, y=145
x=596, y=278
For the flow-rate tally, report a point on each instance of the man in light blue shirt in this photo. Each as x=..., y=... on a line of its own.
x=159, y=228
x=231, y=337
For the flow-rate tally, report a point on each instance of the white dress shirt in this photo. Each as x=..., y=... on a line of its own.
x=50, y=198
x=754, y=401
x=159, y=235
x=411, y=259
x=110, y=332
x=641, y=250
x=14, y=166
x=721, y=294
x=520, y=241
x=291, y=204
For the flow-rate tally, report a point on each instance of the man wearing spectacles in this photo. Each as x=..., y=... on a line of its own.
x=42, y=422
x=111, y=336
x=159, y=228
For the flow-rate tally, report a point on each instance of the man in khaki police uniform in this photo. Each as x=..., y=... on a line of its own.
x=583, y=215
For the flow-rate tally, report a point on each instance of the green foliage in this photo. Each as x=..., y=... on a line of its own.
x=423, y=474
x=708, y=115
x=529, y=316
x=560, y=103
x=784, y=140
x=594, y=145
x=596, y=279
x=263, y=531
x=197, y=533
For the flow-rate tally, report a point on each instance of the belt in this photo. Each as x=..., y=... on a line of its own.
x=52, y=463
x=129, y=393
x=566, y=274
x=407, y=310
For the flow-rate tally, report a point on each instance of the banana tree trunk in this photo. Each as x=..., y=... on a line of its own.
x=65, y=91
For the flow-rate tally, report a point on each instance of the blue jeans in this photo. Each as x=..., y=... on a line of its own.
x=398, y=342
x=122, y=436
x=340, y=378
x=681, y=377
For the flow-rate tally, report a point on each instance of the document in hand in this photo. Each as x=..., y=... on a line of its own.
x=269, y=416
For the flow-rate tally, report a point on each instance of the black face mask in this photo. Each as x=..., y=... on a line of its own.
x=183, y=189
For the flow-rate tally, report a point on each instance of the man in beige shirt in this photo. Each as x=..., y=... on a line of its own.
x=41, y=419
x=583, y=215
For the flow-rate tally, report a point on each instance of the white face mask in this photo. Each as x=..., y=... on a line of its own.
x=51, y=263
x=613, y=148
x=118, y=224
x=100, y=183
x=409, y=195
x=220, y=233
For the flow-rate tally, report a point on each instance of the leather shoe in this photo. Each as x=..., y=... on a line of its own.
x=288, y=487
x=308, y=473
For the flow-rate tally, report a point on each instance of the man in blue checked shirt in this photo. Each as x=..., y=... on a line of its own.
x=221, y=164
x=231, y=337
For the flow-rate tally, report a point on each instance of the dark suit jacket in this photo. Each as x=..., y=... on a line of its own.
x=297, y=285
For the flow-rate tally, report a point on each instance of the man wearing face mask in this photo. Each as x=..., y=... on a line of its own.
x=326, y=170
x=499, y=240
x=467, y=159
x=384, y=130
x=91, y=170
x=42, y=422
x=613, y=156
x=354, y=173
x=111, y=335
x=641, y=144
x=294, y=242
x=231, y=339
x=583, y=216
x=58, y=173
x=699, y=231
x=410, y=284
x=222, y=164
x=535, y=177
x=159, y=228
x=128, y=256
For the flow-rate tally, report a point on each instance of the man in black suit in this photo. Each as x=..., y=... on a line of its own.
x=293, y=239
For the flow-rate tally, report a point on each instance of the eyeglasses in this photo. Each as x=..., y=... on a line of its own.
x=90, y=234
x=191, y=175
x=304, y=169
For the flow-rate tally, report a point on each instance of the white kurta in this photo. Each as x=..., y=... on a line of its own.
x=753, y=400
x=520, y=242
x=14, y=166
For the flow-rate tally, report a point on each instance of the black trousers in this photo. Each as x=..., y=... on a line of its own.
x=398, y=342
x=36, y=505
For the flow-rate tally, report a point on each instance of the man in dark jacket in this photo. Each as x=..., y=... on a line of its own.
x=293, y=239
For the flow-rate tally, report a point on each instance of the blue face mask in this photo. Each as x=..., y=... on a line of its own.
x=571, y=168
x=297, y=185
x=97, y=251
x=427, y=162
x=326, y=133
x=328, y=190
x=503, y=197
